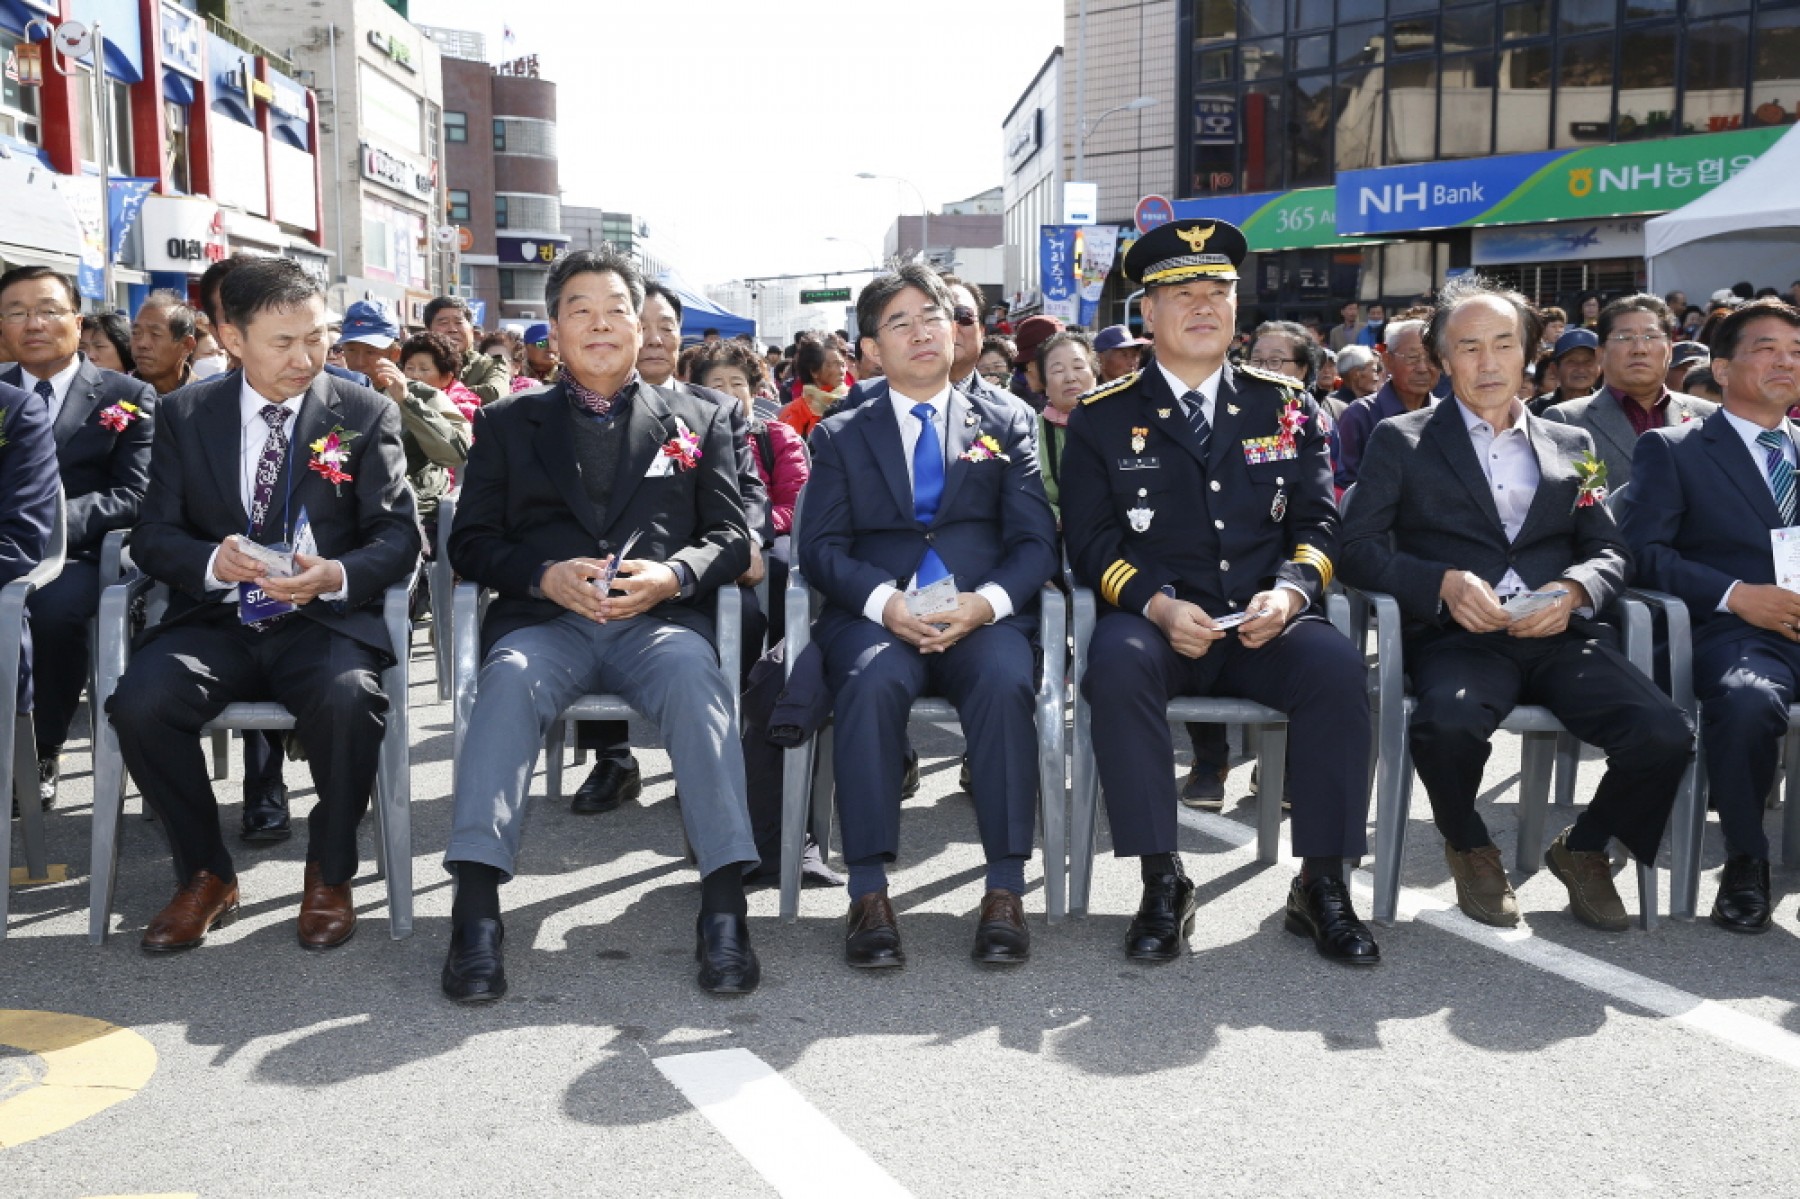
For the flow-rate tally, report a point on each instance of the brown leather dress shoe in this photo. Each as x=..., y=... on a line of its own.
x=327, y=917
x=203, y=903
x=872, y=935
x=1001, y=938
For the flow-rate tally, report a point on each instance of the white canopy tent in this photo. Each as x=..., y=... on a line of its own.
x=1746, y=228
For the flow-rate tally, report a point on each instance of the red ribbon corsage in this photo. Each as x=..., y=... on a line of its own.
x=684, y=447
x=118, y=418
x=330, y=453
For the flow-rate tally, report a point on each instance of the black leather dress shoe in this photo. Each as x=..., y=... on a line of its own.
x=728, y=965
x=872, y=937
x=1164, y=919
x=1321, y=909
x=1001, y=938
x=1743, y=904
x=474, y=972
x=612, y=781
x=909, y=782
x=266, y=815
x=965, y=781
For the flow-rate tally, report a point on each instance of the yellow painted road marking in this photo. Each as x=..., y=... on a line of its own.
x=89, y=1066
x=55, y=872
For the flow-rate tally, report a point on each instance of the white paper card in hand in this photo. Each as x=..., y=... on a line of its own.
x=1786, y=543
x=935, y=600
x=279, y=564
x=1518, y=607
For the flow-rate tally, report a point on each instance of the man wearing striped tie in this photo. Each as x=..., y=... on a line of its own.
x=1197, y=503
x=1704, y=498
x=927, y=492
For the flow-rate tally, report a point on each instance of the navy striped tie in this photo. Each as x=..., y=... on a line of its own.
x=1197, y=421
x=1781, y=472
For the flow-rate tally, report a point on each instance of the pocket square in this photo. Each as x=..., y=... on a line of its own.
x=659, y=466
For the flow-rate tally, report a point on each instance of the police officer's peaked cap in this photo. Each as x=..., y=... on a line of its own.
x=1184, y=250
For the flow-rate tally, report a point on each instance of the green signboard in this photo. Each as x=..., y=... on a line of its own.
x=1304, y=219
x=826, y=295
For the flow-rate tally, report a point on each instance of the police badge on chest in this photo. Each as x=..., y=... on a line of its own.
x=1139, y=514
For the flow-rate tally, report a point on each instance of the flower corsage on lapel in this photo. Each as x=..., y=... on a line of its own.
x=983, y=449
x=118, y=418
x=684, y=447
x=330, y=453
x=1590, y=473
x=1292, y=419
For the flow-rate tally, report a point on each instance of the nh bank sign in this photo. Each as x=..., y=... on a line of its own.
x=1622, y=179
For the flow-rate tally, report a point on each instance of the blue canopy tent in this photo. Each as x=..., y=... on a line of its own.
x=699, y=314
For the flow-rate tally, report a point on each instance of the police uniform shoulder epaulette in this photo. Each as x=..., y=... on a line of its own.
x=1287, y=381
x=1113, y=388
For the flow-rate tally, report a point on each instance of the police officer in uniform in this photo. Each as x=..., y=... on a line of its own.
x=1196, y=491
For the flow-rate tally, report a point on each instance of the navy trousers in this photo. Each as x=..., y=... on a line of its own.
x=1310, y=671
x=1745, y=684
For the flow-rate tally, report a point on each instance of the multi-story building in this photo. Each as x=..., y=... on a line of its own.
x=210, y=140
x=380, y=85
x=503, y=186
x=967, y=237
x=592, y=228
x=1031, y=160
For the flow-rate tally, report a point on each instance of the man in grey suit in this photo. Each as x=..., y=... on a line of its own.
x=1462, y=511
x=1636, y=340
x=560, y=484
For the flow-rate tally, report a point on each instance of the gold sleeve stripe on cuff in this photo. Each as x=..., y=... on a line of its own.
x=1113, y=582
x=1314, y=557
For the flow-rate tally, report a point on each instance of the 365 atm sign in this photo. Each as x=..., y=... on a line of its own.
x=1621, y=179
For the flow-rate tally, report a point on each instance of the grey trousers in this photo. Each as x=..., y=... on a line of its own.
x=669, y=673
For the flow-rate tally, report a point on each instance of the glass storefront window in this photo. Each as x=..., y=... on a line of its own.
x=1215, y=66
x=1309, y=122
x=18, y=105
x=1215, y=20
x=1359, y=44
x=1360, y=10
x=1416, y=35
x=1718, y=58
x=1775, y=81
x=1638, y=10
x=1584, y=91
x=1258, y=18
x=1397, y=7
x=1528, y=19
x=1713, y=8
x=1309, y=14
x=1265, y=59
x=1262, y=121
x=175, y=147
x=1468, y=28
x=1357, y=116
x=1466, y=107
x=1412, y=111
x=1522, y=119
x=1584, y=16
x=1647, y=60
x=1311, y=53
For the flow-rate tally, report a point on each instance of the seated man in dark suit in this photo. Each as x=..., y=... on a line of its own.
x=258, y=455
x=28, y=481
x=101, y=422
x=1475, y=502
x=562, y=481
x=1704, y=499
x=928, y=485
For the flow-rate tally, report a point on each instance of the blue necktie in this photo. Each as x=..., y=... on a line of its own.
x=1781, y=473
x=44, y=389
x=1197, y=418
x=928, y=489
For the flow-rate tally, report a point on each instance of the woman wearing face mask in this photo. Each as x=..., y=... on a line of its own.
x=106, y=340
x=1069, y=367
x=209, y=359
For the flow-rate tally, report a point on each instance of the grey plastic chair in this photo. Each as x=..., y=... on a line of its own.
x=1266, y=727
x=1540, y=729
x=440, y=578
x=18, y=736
x=807, y=782
x=393, y=779
x=470, y=607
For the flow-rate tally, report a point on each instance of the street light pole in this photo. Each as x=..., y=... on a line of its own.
x=874, y=262
x=1084, y=128
x=924, y=212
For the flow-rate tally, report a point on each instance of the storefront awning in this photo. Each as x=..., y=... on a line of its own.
x=40, y=225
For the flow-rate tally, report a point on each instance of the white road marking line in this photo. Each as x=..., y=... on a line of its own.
x=1717, y=1020
x=784, y=1138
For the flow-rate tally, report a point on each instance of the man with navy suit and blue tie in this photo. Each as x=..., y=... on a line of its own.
x=921, y=485
x=1704, y=498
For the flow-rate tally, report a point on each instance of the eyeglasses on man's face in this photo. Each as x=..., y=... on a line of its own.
x=48, y=315
x=1272, y=364
x=1643, y=339
x=929, y=317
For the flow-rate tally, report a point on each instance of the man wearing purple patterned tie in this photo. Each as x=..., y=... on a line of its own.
x=245, y=455
x=921, y=485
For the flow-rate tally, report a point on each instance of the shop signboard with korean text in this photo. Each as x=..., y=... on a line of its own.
x=1303, y=219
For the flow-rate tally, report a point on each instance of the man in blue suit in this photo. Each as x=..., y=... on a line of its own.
x=1704, y=498
x=927, y=484
x=101, y=427
x=28, y=480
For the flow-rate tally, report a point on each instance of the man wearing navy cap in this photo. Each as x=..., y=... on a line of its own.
x=1196, y=491
x=540, y=360
x=1119, y=352
x=1577, y=362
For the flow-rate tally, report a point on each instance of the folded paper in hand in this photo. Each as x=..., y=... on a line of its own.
x=935, y=600
x=1530, y=603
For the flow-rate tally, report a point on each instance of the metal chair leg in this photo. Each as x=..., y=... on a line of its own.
x=1646, y=872
x=1568, y=762
x=221, y=754
x=553, y=758
x=1272, y=756
x=1393, y=795
x=25, y=792
x=1537, y=759
x=796, y=789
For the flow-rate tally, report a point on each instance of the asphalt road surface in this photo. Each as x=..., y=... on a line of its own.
x=1551, y=1060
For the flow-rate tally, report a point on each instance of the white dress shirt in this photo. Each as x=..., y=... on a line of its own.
x=1749, y=431
x=253, y=433
x=910, y=429
x=60, y=383
x=1511, y=468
